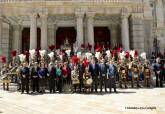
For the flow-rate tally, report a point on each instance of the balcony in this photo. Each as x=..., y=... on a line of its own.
x=115, y=1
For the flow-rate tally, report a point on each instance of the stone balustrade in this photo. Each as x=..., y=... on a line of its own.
x=116, y=1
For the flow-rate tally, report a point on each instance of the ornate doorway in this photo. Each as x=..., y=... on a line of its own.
x=26, y=39
x=102, y=36
x=65, y=32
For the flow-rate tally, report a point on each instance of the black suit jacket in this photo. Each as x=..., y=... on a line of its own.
x=94, y=71
x=103, y=71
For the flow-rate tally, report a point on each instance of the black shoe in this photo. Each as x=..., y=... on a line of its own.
x=138, y=86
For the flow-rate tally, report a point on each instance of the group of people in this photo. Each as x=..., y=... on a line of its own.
x=83, y=72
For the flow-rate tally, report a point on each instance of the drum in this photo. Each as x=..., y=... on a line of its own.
x=89, y=81
x=75, y=79
x=123, y=74
x=123, y=71
x=135, y=69
x=136, y=75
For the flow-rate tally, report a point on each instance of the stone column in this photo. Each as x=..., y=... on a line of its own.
x=125, y=32
x=113, y=34
x=160, y=14
x=0, y=34
x=33, y=31
x=138, y=32
x=80, y=38
x=90, y=28
x=0, y=38
x=16, y=45
x=55, y=33
x=51, y=34
x=44, y=35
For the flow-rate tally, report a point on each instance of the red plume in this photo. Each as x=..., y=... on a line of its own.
x=27, y=54
x=98, y=48
x=37, y=51
x=82, y=45
x=136, y=53
x=89, y=47
x=13, y=53
x=119, y=49
x=3, y=59
x=113, y=52
x=127, y=54
x=52, y=47
x=86, y=62
x=75, y=59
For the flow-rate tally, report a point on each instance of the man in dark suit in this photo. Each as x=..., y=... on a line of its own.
x=52, y=77
x=157, y=69
x=81, y=70
x=35, y=77
x=112, y=76
x=25, y=78
x=103, y=75
x=94, y=70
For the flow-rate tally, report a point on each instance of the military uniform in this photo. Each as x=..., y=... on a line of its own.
x=75, y=80
x=5, y=78
x=135, y=74
x=87, y=79
x=147, y=74
x=123, y=75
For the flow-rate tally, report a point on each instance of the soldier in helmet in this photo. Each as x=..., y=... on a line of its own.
x=5, y=77
x=135, y=72
x=147, y=73
x=123, y=74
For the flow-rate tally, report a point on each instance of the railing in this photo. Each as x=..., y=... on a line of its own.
x=12, y=1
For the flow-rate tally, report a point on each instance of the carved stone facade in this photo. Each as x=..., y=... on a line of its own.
x=131, y=23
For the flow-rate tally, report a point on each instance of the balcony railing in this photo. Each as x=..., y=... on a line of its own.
x=116, y=1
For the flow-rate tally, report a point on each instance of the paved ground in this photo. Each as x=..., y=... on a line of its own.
x=15, y=103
